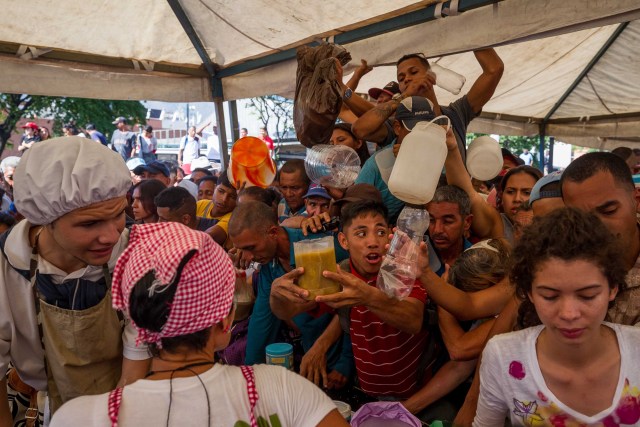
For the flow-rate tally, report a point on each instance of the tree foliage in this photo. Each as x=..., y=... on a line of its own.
x=14, y=107
x=274, y=108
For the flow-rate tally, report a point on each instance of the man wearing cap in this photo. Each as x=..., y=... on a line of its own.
x=31, y=135
x=55, y=266
x=154, y=170
x=546, y=194
x=316, y=202
x=416, y=79
x=95, y=134
x=377, y=170
x=386, y=93
x=122, y=140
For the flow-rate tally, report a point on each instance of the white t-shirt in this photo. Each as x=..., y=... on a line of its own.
x=512, y=385
x=284, y=399
x=191, y=147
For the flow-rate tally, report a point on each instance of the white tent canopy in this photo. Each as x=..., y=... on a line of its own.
x=571, y=69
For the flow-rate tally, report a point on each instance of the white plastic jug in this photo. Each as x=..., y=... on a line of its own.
x=419, y=164
x=484, y=158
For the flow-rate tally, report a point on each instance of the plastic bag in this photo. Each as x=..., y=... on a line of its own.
x=318, y=96
x=384, y=414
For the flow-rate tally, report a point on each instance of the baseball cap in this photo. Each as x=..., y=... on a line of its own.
x=153, y=167
x=414, y=109
x=90, y=126
x=391, y=88
x=317, y=191
x=134, y=163
x=537, y=191
x=119, y=120
x=30, y=125
x=508, y=155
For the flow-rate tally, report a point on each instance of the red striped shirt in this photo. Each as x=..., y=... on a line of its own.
x=386, y=358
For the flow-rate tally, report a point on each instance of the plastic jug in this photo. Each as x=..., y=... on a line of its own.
x=415, y=175
x=447, y=79
x=316, y=256
x=334, y=165
x=251, y=162
x=484, y=158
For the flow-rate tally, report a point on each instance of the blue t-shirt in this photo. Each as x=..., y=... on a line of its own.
x=370, y=174
x=264, y=326
x=99, y=137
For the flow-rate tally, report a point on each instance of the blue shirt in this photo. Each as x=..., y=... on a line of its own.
x=370, y=174
x=99, y=137
x=264, y=326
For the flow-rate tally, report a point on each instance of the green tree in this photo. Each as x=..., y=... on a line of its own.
x=14, y=107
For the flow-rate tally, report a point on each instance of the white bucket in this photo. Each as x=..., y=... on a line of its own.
x=484, y=158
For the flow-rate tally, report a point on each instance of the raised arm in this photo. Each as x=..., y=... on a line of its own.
x=461, y=344
x=485, y=85
x=370, y=126
x=356, y=104
x=487, y=222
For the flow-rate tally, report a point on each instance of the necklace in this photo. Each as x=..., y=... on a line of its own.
x=185, y=368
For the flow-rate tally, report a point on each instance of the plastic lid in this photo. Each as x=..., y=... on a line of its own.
x=279, y=349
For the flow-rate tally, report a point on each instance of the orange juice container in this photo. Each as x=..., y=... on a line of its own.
x=316, y=256
x=251, y=162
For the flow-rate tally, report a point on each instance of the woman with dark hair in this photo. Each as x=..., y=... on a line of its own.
x=44, y=133
x=515, y=189
x=177, y=285
x=342, y=135
x=573, y=368
x=143, y=205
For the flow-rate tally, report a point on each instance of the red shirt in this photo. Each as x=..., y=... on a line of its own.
x=386, y=358
x=267, y=140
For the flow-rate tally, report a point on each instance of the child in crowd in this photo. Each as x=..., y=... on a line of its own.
x=573, y=368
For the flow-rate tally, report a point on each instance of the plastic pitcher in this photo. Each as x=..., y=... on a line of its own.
x=316, y=256
x=484, y=158
x=415, y=175
x=334, y=165
x=251, y=162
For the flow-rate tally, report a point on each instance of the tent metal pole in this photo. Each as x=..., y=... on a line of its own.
x=382, y=27
x=586, y=70
x=233, y=118
x=216, y=83
x=552, y=141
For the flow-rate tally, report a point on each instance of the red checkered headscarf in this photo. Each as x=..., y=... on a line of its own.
x=204, y=291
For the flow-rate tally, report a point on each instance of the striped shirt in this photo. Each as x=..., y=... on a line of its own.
x=386, y=358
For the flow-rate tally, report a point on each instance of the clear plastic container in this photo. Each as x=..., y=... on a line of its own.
x=417, y=169
x=334, y=165
x=447, y=79
x=251, y=162
x=316, y=256
x=398, y=271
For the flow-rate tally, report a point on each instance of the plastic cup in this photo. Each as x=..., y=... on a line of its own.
x=316, y=256
x=251, y=163
x=280, y=354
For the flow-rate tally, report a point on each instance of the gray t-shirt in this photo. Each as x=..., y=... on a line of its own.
x=123, y=143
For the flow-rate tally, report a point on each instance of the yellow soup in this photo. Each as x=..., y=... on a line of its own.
x=314, y=264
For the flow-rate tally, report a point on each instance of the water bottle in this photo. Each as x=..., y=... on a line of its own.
x=333, y=165
x=447, y=79
x=398, y=271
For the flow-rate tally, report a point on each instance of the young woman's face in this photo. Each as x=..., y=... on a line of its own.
x=342, y=137
x=516, y=192
x=571, y=299
x=139, y=212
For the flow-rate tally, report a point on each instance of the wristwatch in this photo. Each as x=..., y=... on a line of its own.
x=347, y=94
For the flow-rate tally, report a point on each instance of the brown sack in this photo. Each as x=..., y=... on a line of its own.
x=318, y=95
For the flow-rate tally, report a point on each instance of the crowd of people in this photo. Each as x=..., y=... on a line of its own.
x=135, y=291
